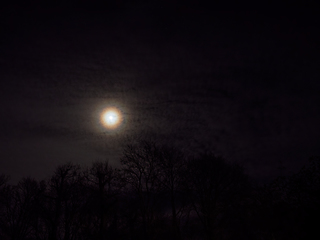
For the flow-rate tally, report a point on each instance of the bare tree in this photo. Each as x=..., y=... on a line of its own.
x=63, y=202
x=213, y=184
x=141, y=173
x=20, y=218
x=103, y=182
x=171, y=164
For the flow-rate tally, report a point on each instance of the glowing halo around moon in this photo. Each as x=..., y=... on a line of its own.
x=111, y=118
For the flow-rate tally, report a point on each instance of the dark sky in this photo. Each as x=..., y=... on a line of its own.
x=242, y=84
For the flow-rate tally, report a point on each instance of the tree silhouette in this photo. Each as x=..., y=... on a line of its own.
x=63, y=202
x=139, y=167
x=159, y=193
x=104, y=189
x=214, y=185
x=286, y=208
x=171, y=164
x=20, y=219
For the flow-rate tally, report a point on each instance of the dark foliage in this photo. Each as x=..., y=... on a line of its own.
x=158, y=193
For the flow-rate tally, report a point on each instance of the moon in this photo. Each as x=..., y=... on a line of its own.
x=111, y=118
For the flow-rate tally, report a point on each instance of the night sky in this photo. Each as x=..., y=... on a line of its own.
x=244, y=85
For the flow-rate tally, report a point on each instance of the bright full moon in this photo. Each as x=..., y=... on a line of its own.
x=111, y=118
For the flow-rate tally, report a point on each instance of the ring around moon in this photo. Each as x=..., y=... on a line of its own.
x=111, y=118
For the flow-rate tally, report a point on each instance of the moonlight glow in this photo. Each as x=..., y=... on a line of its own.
x=111, y=118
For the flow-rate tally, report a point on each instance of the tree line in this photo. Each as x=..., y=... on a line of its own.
x=159, y=193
